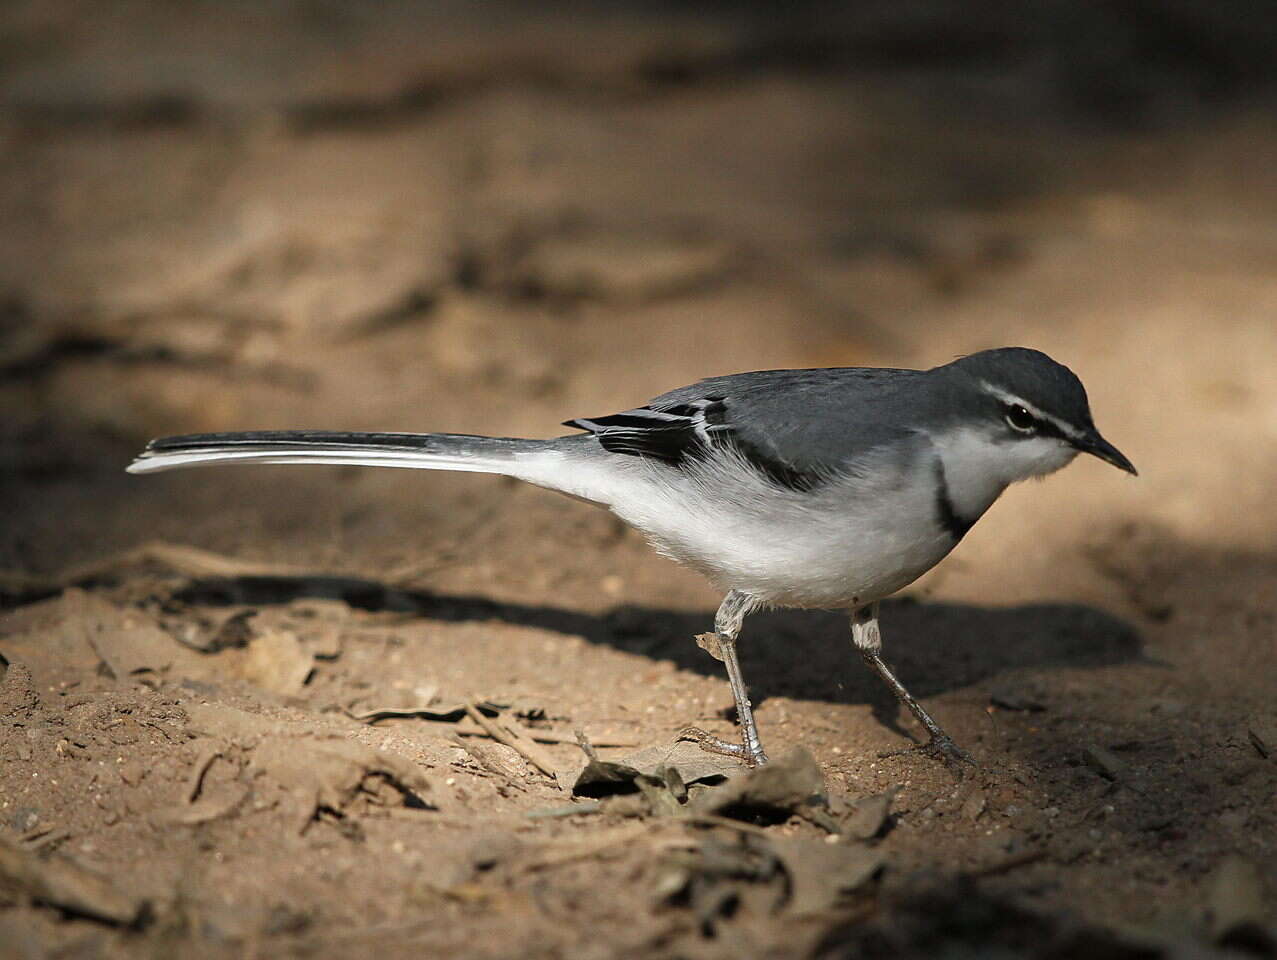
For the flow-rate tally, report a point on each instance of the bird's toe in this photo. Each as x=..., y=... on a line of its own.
x=940, y=748
x=712, y=744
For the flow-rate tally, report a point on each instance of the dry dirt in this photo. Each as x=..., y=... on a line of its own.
x=233, y=718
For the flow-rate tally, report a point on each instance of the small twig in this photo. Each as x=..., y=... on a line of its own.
x=155, y=726
x=586, y=849
x=1010, y=863
x=713, y=820
x=553, y=736
x=50, y=838
x=567, y=810
x=202, y=763
x=514, y=739
x=35, y=833
x=427, y=709
x=587, y=748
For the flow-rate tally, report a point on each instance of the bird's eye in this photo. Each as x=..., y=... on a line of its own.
x=1020, y=419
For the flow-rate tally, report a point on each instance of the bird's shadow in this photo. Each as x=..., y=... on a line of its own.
x=933, y=647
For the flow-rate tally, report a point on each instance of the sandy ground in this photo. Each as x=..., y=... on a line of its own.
x=303, y=217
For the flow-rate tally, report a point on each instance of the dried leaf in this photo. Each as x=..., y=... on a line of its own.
x=330, y=773
x=277, y=661
x=79, y=630
x=711, y=643
x=822, y=874
x=869, y=816
x=210, y=807
x=61, y=883
x=791, y=785
x=721, y=877
x=602, y=778
x=693, y=764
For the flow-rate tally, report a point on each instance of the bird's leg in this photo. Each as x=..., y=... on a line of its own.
x=721, y=645
x=867, y=637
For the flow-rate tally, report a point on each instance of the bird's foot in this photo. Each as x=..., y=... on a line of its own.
x=939, y=747
x=755, y=757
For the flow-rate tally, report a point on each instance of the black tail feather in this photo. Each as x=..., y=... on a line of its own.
x=306, y=438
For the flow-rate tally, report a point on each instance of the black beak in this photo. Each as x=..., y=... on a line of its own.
x=1096, y=445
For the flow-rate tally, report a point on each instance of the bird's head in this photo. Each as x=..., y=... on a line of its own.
x=1029, y=413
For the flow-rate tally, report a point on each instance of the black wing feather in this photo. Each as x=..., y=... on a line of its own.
x=680, y=432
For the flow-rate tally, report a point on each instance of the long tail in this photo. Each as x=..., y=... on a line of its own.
x=575, y=465
x=425, y=451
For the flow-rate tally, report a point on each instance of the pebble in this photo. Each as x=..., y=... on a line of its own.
x=870, y=816
x=974, y=805
x=1104, y=762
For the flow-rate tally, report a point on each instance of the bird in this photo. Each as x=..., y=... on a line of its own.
x=826, y=488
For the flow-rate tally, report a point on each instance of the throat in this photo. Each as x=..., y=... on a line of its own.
x=967, y=481
x=947, y=512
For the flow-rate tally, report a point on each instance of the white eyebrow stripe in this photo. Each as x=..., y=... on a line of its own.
x=1065, y=428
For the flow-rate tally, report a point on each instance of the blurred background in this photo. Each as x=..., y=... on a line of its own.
x=436, y=216
x=488, y=218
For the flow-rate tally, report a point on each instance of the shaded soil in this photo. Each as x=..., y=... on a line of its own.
x=248, y=737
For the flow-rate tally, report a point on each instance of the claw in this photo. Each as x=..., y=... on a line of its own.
x=938, y=747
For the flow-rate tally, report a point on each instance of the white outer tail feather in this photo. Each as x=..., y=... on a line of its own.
x=569, y=465
x=331, y=456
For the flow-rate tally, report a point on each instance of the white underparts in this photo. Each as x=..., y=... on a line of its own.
x=858, y=536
